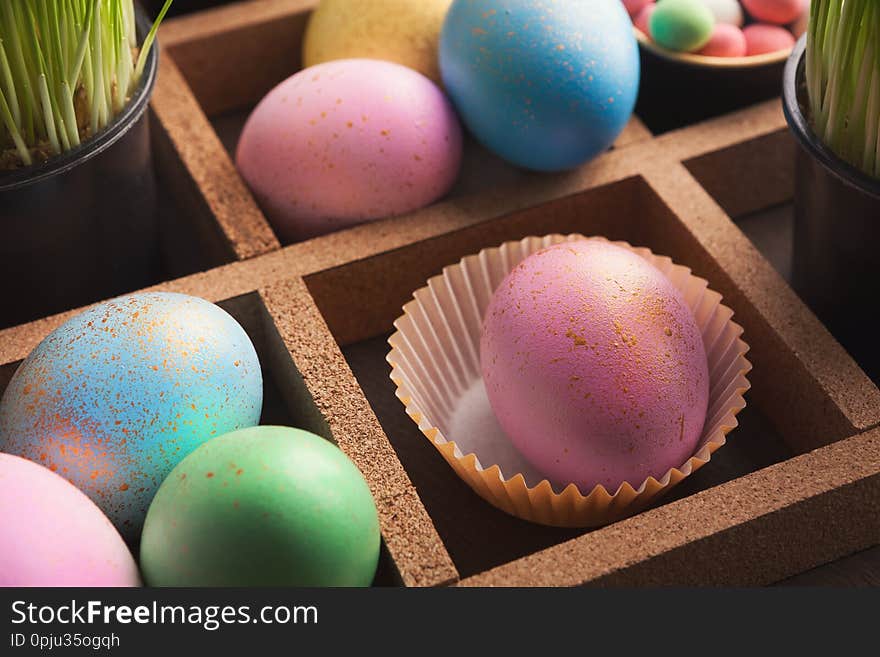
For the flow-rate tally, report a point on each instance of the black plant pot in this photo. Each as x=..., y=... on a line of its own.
x=82, y=226
x=680, y=89
x=837, y=230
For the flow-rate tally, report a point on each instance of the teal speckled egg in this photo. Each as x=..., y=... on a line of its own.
x=682, y=25
x=265, y=506
x=545, y=85
x=115, y=397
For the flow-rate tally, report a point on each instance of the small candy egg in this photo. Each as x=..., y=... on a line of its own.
x=726, y=41
x=728, y=12
x=762, y=39
x=113, y=398
x=266, y=506
x=53, y=535
x=403, y=31
x=778, y=12
x=682, y=25
x=349, y=141
x=594, y=366
x=802, y=23
x=545, y=87
x=643, y=19
x=633, y=7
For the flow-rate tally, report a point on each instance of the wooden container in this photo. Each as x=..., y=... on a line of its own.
x=798, y=483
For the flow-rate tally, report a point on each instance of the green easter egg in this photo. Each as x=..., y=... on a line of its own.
x=263, y=506
x=682, y=25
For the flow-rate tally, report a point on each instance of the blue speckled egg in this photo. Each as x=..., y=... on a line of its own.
x=545, y=84
x=115, y=397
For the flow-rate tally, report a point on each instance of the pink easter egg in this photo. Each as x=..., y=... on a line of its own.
x=635, y=6
x=726, y=41
x=778, y=12
x=762, y=39
x=594, y=366
x=349, y=141
x=53, y=535
x=643, y=18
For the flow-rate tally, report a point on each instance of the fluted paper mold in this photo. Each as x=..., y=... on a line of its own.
x=436, y=366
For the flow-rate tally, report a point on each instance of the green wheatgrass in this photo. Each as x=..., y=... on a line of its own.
x=843, y=79
x=67, y=69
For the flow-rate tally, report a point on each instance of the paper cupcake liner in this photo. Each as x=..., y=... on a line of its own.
x=435, y=360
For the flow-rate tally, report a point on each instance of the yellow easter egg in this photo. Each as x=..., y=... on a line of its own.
x=403, y=31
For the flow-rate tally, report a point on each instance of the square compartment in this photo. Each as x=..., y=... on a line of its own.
x=262, y=43
x=763, y=166
x=285, y=400
x=360, y=301
x=320, y=311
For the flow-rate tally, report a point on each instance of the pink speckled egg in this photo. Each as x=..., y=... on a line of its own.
x=348, y=141
x=762, y=39
x=726, y=41
x=594, y=366
x=779, y=12
x=53, y=535
x=643, y=19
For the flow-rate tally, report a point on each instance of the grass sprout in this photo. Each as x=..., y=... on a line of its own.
x=843, y=79
x=67, y=69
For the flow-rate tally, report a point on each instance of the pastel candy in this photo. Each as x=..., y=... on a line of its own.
x=762, y=39
x=726, y=11
x=726, y=41
x=682, y=25
x=800, y=25
x=634, y=7
x=778, y=12
x=643, y=19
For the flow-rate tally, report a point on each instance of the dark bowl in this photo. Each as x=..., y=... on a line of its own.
x=680, y=89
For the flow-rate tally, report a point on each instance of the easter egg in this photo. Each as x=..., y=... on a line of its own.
x=594, y=366
x=800, y=25
x=634, y=7
x=728, y=12
x=643, y=18
x=763, y=39
x=349, y=141
x=682, y=25
x=53, y=535
x=727, y=41
x=779, y=12
x=403, y=31
x=266, y=506
x=116, y=396
x=546, y=86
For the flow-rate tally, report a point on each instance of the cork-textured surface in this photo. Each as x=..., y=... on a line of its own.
x=761, y=167
x=260, y=40
x=747, y=532
x=413, y=542
x=782, y=332
x=196, y=144
x=674, y=193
